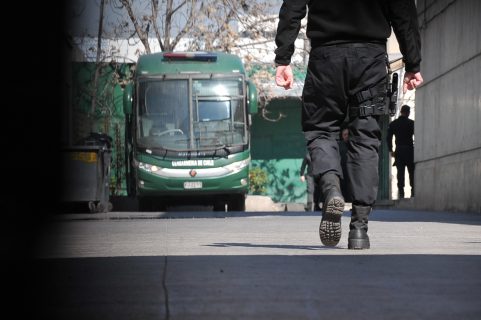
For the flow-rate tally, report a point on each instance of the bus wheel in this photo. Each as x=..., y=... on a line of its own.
x=219, y=206
x=145, y=204
x=237, y=203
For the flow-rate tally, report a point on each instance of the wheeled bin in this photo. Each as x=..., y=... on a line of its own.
x=86, y=172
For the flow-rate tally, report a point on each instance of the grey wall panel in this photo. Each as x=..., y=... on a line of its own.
x=448, y=107
x=448, y=113
x=450, y=183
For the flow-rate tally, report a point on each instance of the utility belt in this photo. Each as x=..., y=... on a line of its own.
x=378, y=100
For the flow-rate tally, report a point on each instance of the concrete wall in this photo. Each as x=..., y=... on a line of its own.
x=448, y=113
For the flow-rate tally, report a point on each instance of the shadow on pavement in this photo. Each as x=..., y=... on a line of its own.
x=258, y=287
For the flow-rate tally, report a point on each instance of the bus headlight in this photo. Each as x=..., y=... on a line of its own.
x=148, y=167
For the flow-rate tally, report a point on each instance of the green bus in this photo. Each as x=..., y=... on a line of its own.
x=187, y=132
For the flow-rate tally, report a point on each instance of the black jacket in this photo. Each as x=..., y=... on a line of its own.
x=339, y=21
x=403, y=129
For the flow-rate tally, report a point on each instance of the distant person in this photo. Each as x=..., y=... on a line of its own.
x=403, y=130
x=312, y=203
x=343, y=148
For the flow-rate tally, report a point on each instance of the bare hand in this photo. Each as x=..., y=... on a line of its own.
x=412, y=81
x=284, y=77
x=303, y=178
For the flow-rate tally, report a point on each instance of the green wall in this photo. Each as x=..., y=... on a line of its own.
x=278, y=147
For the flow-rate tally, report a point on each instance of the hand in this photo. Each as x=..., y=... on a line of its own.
x=412, y=81
x=284, y=77
x=303, y=179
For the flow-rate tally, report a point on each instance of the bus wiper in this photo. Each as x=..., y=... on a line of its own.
x=155, y=150
x=223, y=147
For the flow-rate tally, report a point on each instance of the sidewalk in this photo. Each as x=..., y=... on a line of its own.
x=262, y=265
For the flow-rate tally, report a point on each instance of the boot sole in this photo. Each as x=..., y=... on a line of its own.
x=330, y=228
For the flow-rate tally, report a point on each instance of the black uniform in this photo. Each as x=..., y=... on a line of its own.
x=403, y=130
x=348, y=56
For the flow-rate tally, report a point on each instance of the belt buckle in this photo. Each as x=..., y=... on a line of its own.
x=363, y=110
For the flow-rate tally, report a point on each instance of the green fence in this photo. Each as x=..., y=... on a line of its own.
x=107, y=114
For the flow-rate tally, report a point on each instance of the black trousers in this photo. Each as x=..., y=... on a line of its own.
x=335, y=74
x=404, y=158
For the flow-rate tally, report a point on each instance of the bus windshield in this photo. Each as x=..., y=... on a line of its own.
x=191, y=114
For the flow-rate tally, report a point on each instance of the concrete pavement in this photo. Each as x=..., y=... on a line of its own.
x=260, y=265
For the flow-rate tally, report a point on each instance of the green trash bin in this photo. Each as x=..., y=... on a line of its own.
x=86, y=173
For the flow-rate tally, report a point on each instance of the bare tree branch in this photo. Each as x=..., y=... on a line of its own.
x=143, y=36
x=97, y=60
x=188, y=25
x=202, y=24
x=155, y=11
x=183, y=3
x=168, y=23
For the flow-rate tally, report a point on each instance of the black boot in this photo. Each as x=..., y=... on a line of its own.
x=332, y=209
x=358, y=238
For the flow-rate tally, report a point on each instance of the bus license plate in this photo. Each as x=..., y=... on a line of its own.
x=192, y=184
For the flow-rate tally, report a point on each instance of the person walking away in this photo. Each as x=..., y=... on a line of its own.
x=312, y=203
x=347, y=69
x=403, y=130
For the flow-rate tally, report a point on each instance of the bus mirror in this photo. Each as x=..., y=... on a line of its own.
x=252, y=102
x=128, y=99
